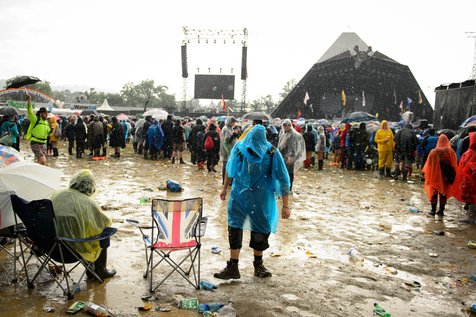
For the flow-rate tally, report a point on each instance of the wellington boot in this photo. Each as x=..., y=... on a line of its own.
x=182, y=161
x=405, y=176
x=173, y=160
x=320, y=164
x=55, y=151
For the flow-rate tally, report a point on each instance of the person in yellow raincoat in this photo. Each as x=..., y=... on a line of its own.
x=54, y=136
x=79, y=216
x=385, y=145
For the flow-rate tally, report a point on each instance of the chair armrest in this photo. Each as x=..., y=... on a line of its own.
x=136, y=224
x=105, y=234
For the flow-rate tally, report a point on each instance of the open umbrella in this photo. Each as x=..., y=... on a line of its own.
x=358, y=116
x=28, y=180
x=156, y=113
x=9, y=111
x=21, y=81
x=257, y=116
x=8, y=155
x=87, y=112
x=469, y=121
x=122, y=116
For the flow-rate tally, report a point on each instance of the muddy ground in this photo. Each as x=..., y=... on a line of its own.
x=332, y=211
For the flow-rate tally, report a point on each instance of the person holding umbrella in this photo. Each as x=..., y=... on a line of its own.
x=38, y=131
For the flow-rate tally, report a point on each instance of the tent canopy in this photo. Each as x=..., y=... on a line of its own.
x=368, y=81
x=105, y=106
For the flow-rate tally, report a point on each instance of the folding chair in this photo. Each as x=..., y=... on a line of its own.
x=11, y=235
x=177, y=225
x=51, y=249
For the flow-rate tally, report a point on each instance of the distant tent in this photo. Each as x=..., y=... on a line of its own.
x=105, y=106
x=351, y=77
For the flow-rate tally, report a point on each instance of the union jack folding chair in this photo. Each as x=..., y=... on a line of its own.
x=177, y=225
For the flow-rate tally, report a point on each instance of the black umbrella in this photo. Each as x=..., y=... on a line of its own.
x=87, y=112
x=358, y=116
x=9, y=111
x=257, y=116
x=448, y=132
x=21, y=81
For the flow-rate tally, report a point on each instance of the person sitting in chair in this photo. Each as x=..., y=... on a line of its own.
x=79, y=216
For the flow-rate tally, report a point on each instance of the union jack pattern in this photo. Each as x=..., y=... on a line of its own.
x=176, y=221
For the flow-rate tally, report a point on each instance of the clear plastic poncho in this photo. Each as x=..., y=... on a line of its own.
x=258, y=173
x=79, y=216
x=292, y=147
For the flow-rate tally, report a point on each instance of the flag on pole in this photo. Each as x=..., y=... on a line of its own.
x=363, y=98
x=223, y=103
x=343, y=98
x=306, y=98
x=299, y=114
x=420, y=99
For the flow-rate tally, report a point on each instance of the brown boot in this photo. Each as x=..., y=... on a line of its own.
x=230, y=271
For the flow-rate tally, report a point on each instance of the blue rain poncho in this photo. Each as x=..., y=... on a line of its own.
x=258, y=173
x=79, y=216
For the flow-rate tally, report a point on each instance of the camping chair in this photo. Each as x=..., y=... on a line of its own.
x=12, y=235
x=49, y=248
x=177, y=225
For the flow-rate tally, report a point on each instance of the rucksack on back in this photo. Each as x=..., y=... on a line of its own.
x=209, y=145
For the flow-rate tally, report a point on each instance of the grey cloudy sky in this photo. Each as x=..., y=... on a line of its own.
x=104, y=44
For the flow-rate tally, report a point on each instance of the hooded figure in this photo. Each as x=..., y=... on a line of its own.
x=79, y=216
x=310, y=142
x=385, y=145
x=435, y=183
x=464, y=187
x=259, y=175
x=227, y=140
x=292, y=147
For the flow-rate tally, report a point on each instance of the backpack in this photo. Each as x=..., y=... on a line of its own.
x=6, y=138
x=208, y=144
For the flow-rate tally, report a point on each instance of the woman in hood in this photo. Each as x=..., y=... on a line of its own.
x=292, y=147
x=385, y=146
x=464, y=187
x=79, y=216
x=436, y=184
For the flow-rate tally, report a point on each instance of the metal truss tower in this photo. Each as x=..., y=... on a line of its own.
x=214, y=36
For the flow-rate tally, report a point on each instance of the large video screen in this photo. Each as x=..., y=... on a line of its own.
x=214, y=86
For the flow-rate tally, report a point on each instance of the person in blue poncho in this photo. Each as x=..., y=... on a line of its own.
x=259, y=174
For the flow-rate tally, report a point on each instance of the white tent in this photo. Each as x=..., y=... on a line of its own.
x=105, y=106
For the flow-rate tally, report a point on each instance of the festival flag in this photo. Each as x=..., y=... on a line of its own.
x=363, y=98
x=409, y=103
x=306, y=98
x=402, y=107
x=223, y=103
x=343, y=98
x=299, y=114
x=420, y=99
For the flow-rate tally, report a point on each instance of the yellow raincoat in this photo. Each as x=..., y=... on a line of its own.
x=79, y=216
x=385, y=145
x=53, y=126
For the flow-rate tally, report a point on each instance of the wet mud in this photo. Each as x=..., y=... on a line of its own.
x=332, y=211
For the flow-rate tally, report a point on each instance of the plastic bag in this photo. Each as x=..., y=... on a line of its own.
x=173, y=186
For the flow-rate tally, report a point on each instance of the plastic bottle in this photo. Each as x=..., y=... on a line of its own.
x=202, y=226
x=207, y=285
x=211, y=307
x=227, y=311
x=355, y=255
x=379, y=311
x=95, y=310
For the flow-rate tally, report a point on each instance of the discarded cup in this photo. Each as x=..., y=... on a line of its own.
x=216, y=250
x=188, y=303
